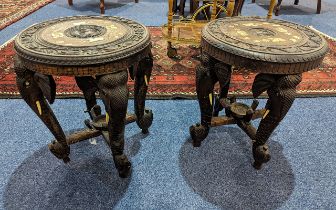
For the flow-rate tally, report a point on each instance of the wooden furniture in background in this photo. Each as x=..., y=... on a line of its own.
x=296, y=2
x=194, y=5
x=102, y=5
x=187, y=30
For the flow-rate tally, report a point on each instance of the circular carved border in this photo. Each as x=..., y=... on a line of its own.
x=32, y=48
x=264, y=59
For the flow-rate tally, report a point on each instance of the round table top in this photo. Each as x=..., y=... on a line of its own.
x=82, y=40
x=267, y=46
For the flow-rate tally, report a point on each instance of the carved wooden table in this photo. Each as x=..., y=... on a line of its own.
x=278, y=50
x=99, y=52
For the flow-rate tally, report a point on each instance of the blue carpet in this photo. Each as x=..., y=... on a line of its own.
x=168, y=173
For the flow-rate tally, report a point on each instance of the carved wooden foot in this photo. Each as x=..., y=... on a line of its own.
x=281, y=90
x=205, y=80
x=35, y=88
x=171, y=51
x=142, y=77
x=114, y=92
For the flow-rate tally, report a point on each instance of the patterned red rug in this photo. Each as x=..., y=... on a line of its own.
x=174, y=78
x=12, y=11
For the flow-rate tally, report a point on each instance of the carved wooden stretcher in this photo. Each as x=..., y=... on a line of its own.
x=278, y=50
x=99, y=51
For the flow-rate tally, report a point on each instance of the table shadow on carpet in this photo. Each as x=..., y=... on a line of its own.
x=89, y=181
x=220, y=171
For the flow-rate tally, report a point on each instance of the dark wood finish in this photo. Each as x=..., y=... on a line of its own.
x=238, y=7
x=101, y=5
x=277, y=8
x=266, y=49
x=98, y=44
x=319, y=5
x=104, y=70
x=243, y=41
x=194, y=4
x=296, y=2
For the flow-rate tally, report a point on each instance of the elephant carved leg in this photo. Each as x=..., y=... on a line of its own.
x=223, y=73
x=142, y=77
x=29, y=85
x=281, y=90
x=114, y=92
x=205, y=81
x=89, y=88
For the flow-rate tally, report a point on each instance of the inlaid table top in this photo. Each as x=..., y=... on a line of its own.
x=267, y=46
x=83, y=45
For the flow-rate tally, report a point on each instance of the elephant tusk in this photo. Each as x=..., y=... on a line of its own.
x=38, y=105
x=146, y=80
x=266, y=113
x=107, y=117
x=210, y=98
